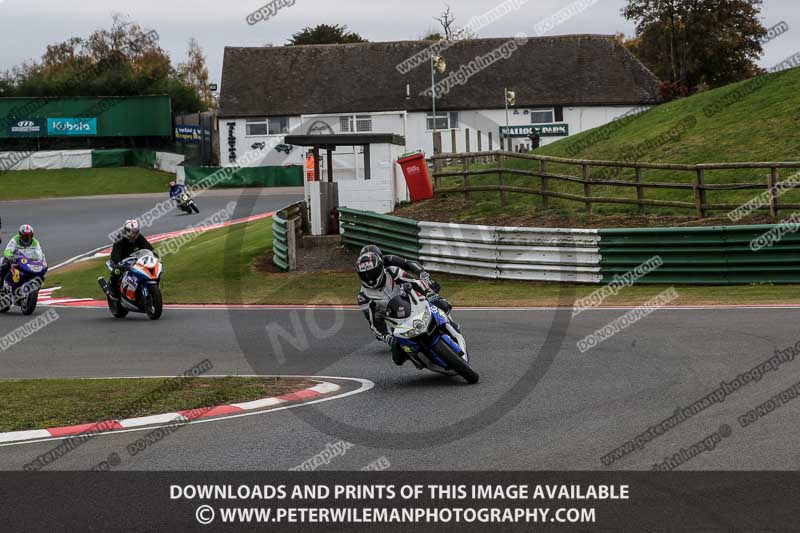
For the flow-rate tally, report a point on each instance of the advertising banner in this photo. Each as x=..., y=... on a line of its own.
x=188, y=134
x=26, y=127
x=72, y=126
x=545, y=130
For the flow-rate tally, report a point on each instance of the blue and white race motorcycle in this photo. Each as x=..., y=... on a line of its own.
x=22, y=283
x=427, y=335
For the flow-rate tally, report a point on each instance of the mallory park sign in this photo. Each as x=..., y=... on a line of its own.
x=545, y=130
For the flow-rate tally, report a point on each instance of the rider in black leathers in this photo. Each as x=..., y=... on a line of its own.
x=130, y=242
x=382, y=278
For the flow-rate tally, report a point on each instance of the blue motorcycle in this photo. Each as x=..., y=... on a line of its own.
x=22, y=283
x=427, y=335
x=139, y=289
x=183, y=200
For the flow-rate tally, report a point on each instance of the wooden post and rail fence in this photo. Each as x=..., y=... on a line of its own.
x=447, y=165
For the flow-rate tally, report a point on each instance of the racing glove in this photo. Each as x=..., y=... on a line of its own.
x=425, y=277
x=440, y=302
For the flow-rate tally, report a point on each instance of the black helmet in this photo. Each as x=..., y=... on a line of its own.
x=370, y=270
x=371, y=248
x=399, y=307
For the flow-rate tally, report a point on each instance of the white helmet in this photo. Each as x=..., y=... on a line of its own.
x=130, y=230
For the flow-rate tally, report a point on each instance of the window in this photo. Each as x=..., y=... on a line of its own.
x=542, y=116
x=256, y=126
x=278, y=125
x=267, y=126
x=446, y=120
x=363, y=123
x=355, y=123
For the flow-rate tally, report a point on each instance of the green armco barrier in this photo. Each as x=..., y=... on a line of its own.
x=123, y=157
x=280, y=234
x=717, y=255
x=701, y=255
x=393, y=235
x=280, y=243
x=291, y=176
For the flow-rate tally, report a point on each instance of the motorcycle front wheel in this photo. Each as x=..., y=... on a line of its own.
x=28, y=304
x=153, y=304
x=454, y=361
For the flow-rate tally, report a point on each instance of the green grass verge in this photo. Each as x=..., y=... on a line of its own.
x=211, y=268
x=30, y=184
x=221, y=267
x=758, y=126
x=45, y=403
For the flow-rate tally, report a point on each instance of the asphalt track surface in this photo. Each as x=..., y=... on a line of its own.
x=539, y=405
x=67, y=227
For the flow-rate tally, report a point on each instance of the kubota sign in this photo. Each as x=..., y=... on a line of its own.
x=72, y=126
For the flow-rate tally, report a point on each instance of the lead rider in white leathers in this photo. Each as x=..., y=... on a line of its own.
x=382, y=278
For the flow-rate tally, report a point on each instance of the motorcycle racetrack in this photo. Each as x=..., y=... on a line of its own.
x=67, y=227
x=541, y=404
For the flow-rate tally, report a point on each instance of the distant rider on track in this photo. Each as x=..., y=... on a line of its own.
x=175, y=189
x=382, y=278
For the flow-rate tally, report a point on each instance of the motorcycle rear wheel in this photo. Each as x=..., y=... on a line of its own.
x=116, y=309
x=454, y=361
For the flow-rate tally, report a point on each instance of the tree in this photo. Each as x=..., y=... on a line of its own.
x=697, y=42
x=123, y=60
x=194, y=72
x=447, y=21
x=325, y=34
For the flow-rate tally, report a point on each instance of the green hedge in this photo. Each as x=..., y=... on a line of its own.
x=123, y=157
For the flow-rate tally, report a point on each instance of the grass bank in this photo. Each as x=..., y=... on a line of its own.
x=227, y=266
x=754, y=120
x=31, y=184
x=44, y=403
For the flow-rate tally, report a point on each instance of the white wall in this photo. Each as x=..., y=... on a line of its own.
x=168, y=162
x=413, y=127
x=45, y=160
x=382, y=191
x=268, y=156
x=344, y=160
x=579, y=119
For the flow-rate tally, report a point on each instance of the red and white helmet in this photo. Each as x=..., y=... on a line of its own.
x=25, y=235
x=130, y=230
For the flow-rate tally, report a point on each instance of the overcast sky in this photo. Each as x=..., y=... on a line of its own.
x=27, y=26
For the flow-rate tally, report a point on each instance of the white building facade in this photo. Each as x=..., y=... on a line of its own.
x=483, y=127
x=563, y=85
